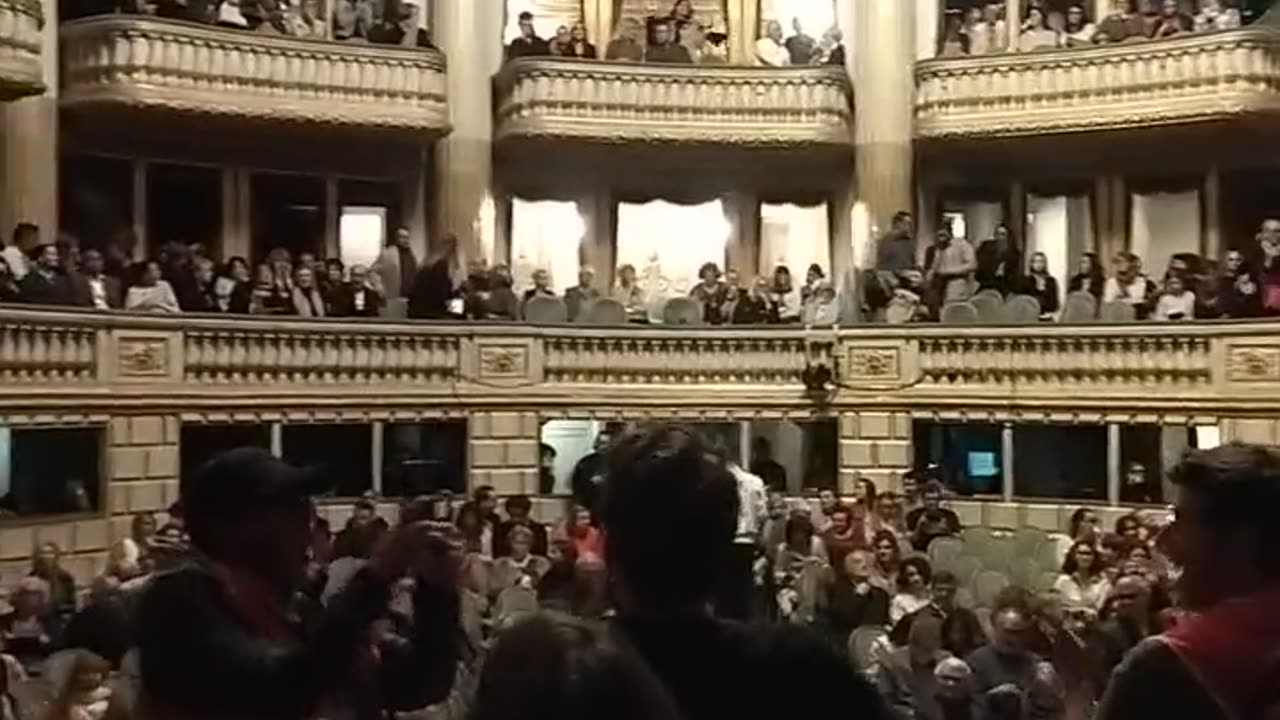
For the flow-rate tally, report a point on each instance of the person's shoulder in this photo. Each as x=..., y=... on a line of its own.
x=796, y=657
x=189, y=582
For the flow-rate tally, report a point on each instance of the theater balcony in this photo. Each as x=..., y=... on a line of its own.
x=1216, y=78
x=617, y=103
x=122, y=62
x=20, y=47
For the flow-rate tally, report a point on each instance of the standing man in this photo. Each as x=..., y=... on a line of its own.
x=217, y=638
x=1221, y=662
x=528, y=44
x=737, y=581
x=397, y=267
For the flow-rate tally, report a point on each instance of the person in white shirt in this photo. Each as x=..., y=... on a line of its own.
x=1036, y=33
x=1079, y=30
x=1128, y=285
x=734, y=599
x=1082, y=584
x=26, y=236
x=151, y=294
x=1176, y=302
x=913, y=589
x=770, y=49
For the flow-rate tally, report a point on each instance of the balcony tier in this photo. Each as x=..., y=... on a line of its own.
x=1210, y=77
x=608, y=102
x=21, y=69
x=1077, y=372
x=142, y=62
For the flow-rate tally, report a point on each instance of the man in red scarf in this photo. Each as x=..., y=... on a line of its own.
x=220, y=638
x=1219, y=663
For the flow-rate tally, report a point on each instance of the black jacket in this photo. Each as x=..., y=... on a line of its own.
x=198, y=655
x=53, y=290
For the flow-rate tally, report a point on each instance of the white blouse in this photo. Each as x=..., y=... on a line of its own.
x=1091, y=595
x=903, y=604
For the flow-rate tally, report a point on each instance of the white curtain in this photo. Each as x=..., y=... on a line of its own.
x=1061, y=227
x=667, y=242
x=546, y=235
x=547, y=16
x=796, y=236
x=1164, y=224
x=815, y=16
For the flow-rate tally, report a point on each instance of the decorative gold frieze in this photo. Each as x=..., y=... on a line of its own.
x=1253, y=363
x=621, y=102
x=21, y=43
x=145, y=62
x=142, y=357
x=1195, y=78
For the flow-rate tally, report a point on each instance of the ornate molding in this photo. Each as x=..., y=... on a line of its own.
x=21, y=44
x=143, y=62
x=1197, y=78
x=625, y=102
x=676, y=358
x=1253, y=363
x=47, y=352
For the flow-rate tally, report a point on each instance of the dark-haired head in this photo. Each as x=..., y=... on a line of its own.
x=1082, y=557
x=1224, y=535
x=669, y=473
x=914, y=575
x=555, y=666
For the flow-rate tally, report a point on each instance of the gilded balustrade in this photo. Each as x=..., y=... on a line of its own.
x=628, y=102
x=1202, y=367
x=143, y=62
x=21, y=69
x=1214, y=76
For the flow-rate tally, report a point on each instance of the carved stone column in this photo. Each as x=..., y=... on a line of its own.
x=29, y=141
x=470, y=34
x=883, y=58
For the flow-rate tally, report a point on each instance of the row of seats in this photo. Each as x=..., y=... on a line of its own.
x=986, y=561
x=988, y=307
x=607, y=311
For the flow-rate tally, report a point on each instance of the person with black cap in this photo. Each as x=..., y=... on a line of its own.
x=217, y=638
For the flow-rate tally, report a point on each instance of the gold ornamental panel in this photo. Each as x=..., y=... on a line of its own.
x=170, y=65
x=606, y=102
x=21, y=69
x=1198, y=78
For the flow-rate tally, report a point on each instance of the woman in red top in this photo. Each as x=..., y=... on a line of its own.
x=587, y=541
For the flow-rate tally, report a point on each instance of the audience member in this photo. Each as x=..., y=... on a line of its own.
x=962, y=632
x=546, y=469
x=519, y=566
x=1042, y=286
x=519, y=514
x=1219, y=662
x=1172, y=20
x=1090, y=277
x=999, y=263
x=931, y=520
x=1239, y=291
x=801, y=47
x=681, y=14
x=1216, y=15
x=9, y=290
x=1121, y=24
x=577, y=45
x=628, y=292
x=358, y=297
x=196, y=288
x=46, y=283
x=906, y=677
x=823, y=308
x=1036, y=33
x=583, y=537
x=766, y=467
x=913, y=589
x=1176, y=301
x=225, y=617
x=433, y=286
x=830, y=50
x=1082, y=583
x=733, y=599
x=589, y=473
x=627, y=45
x=47, y=565
x=1127, y=285
x=711, y=293
x=556, y=666
x=755, y=307
x=578, y=297
x=307, y=301
x=93, y=287
x=784, y=296
x=955, y=690
x=846, y=533
x=951, y=262
x=888, y=557
x=1007, y=661
x=664, y=48
x=854, y=599
x=1128, y=621
x=1079, y=32
x=558, y=45
x=528, y=44
x=25, y=239
x=665, y=574
x=32, y=629
x=151, y=294
x=770, y=49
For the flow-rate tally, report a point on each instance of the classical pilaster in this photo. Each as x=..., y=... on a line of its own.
x=29, y=169
x=470, y=34
x=883, y=58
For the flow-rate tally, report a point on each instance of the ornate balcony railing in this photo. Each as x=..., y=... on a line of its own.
x=144, y=62
x=1215, y=76
x=626, y=102
x=21, y=69
x=1188, y=367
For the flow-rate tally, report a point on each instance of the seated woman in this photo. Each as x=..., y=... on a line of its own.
x=1082, y=583
x=1176, y=302
x=1040, y=285
x=586, y=541
x=888, y=557
x=520, y=568
x=578, y=47
x=913, y=588
x=1036, y=34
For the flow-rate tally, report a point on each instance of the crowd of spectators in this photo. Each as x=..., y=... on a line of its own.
x=680, y=37
x=386, y=22
x=981, y=28
x=427, y=610
x=1246, y=284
